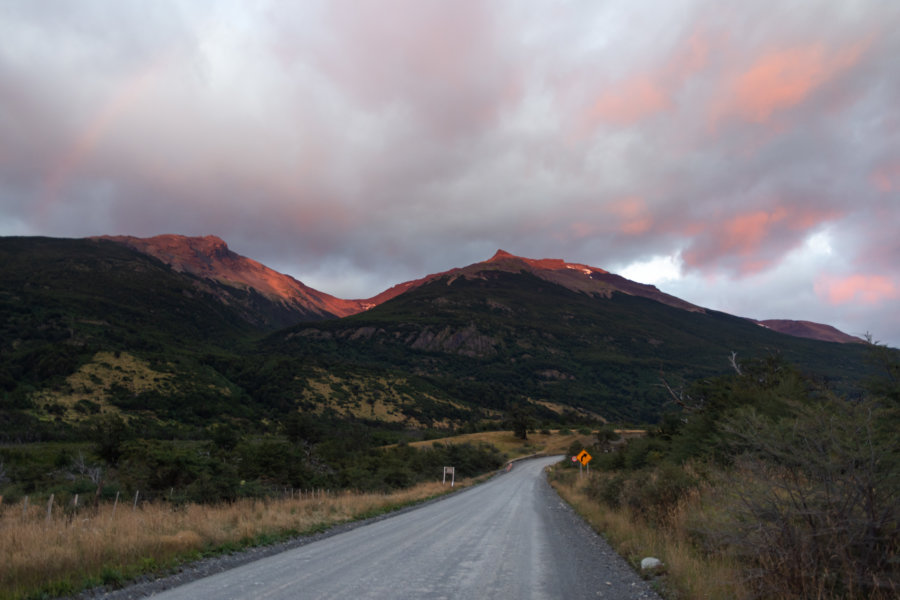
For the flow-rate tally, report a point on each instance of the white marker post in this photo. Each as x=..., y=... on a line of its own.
x=452, y=472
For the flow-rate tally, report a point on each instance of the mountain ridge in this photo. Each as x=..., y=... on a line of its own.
x=181, y=336
x=209, y=257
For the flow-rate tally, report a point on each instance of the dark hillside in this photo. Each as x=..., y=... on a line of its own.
x=507, y=337
x=461, y=347
x=97, y=287
x=65, y=303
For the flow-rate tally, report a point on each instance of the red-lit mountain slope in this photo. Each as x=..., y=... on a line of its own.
x=210, y=258
x=574, y=276
x=808, y=329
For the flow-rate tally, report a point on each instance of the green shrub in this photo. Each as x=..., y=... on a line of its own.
x=642, y=452
x=607, y=489
x=815, y=500
x=653, y=494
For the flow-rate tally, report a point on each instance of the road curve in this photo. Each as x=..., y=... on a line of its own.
x=511, y=537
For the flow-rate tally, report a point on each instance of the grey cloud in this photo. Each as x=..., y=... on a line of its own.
x=388, y=140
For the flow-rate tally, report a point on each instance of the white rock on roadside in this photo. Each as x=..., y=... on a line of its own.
x=650, y=563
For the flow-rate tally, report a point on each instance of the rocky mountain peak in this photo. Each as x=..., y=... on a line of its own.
x=209, y=257
x=501, y=254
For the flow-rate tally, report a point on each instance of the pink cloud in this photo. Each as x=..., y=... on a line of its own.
x=637, y=226
x=782, y=79
x=778, y=80
x=582, y=229
x=865, y=289
x=629, y=215
x=691, y=57
x=751, y=242
x=633, y=215
x=886, y=177
x=644, y=95
x=745, y=233
x=631, y=101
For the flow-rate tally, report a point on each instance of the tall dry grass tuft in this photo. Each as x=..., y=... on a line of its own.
x=689, y=572
x=68, y=552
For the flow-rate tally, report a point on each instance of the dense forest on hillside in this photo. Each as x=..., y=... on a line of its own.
x=516, y=337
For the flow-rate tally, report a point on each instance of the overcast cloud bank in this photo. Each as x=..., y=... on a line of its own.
x=743, y=156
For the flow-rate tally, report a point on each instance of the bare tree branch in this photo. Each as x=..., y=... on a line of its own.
x=681, y=397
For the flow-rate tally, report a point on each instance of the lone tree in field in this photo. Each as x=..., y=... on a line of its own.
x=520, y=421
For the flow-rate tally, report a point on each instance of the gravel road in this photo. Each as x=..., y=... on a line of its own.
x=511, y=537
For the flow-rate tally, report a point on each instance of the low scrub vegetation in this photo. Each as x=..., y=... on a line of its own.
x=227, y=464
x=764, y=485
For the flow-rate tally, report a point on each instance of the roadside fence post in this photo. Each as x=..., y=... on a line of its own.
x=49, y=507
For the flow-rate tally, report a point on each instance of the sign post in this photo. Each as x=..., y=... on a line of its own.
x=452, y=472
x=583, y=458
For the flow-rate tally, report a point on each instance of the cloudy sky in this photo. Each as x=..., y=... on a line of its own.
x=742, y=155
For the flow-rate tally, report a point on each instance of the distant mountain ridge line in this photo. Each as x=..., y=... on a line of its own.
x=209, y=257
x=809, y=329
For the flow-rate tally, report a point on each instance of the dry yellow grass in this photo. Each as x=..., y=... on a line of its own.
x=561, y=408
x=380, y=398
x=513, y=447
x=67, y=552
x=689, y=574
x=93, y=380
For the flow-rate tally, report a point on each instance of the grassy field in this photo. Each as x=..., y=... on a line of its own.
x=71, y=551
x=555, y=442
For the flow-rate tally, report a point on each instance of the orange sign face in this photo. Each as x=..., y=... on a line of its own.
x=583, y=457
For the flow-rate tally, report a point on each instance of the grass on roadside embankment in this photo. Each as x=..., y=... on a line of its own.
x=41, y=558
x=688, y=574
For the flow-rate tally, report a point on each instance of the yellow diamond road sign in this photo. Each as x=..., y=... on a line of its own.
x=583, y=457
